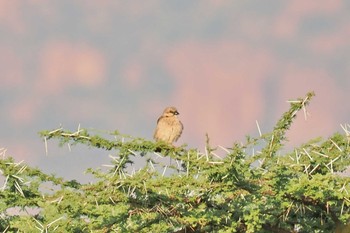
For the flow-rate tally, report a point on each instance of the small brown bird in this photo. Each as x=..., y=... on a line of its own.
x=169, y=127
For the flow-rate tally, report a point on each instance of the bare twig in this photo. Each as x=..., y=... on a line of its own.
x=257, y=125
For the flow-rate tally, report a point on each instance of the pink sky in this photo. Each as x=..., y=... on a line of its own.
x=116, y=65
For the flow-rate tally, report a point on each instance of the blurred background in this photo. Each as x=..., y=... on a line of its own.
x=114, y=64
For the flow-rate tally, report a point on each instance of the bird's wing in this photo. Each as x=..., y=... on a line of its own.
x=156, y=132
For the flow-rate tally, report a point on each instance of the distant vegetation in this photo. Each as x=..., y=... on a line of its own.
x=251, y=187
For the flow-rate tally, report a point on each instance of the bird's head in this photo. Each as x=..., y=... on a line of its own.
x=170, y=111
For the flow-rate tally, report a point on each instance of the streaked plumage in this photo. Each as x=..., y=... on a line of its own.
x=169, y=127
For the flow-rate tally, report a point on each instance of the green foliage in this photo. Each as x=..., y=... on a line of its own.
x=267, y=191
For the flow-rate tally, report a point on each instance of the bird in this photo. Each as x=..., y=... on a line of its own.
x=169, y=127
